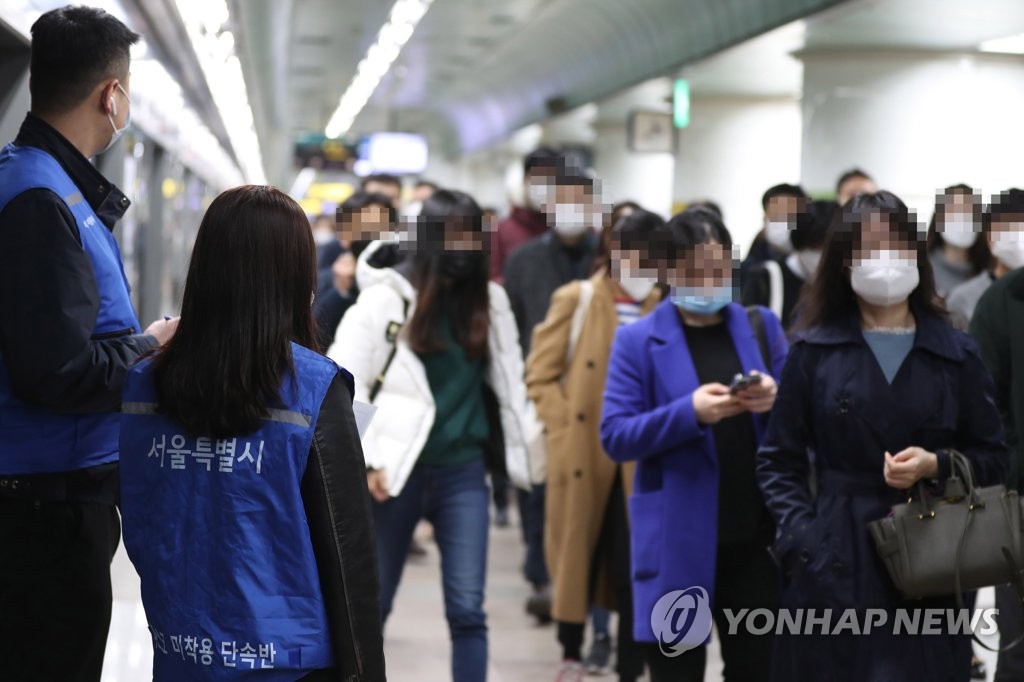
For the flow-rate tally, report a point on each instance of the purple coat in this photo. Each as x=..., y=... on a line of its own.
x=648, y=417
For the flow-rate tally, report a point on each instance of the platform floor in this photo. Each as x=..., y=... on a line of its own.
x=417, y=646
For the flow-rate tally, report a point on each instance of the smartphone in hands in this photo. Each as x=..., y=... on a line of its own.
x=743, y=381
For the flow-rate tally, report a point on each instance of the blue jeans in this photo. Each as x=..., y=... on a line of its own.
x=455, y=500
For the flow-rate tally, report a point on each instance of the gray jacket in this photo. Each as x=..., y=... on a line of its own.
x=963, y=299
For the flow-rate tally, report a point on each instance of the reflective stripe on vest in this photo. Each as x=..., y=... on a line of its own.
x=218, y=533
x=34, y=440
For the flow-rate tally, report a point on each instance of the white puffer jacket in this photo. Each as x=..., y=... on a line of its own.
x=405, y=403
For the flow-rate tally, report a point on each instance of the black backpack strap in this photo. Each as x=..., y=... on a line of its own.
x=391, y=336
x=757, y=324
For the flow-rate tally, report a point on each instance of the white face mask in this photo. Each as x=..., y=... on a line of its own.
x=885, y=279
x=777, y=234
x=321, y=237
x=959, y=231
x=118, y=132
x=572, y=219
x=1008, y=246
x=537, y=195
x=809, y=261
x=637, y=287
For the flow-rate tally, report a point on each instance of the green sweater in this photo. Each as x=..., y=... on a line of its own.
x=460, y=429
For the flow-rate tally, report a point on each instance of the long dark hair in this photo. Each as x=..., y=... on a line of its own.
x=978, y=254
x=247, y=297
x=830, y=296
x=467, y=305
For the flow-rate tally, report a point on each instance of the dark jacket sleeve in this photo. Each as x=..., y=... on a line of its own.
x=783, y=465
x=328, y=309
x=989, y=326
x=979, y=426
x=49, y=301
x=513, y=281
x=340, y=520
x=498, y=255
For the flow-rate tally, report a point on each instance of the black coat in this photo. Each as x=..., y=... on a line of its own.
x=535, y=270
x=998, y=325
x=834, y=406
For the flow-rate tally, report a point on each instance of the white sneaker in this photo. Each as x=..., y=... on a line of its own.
x=571, y=671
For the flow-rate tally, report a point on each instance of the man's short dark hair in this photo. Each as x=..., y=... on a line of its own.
x=360, y=200
x=812, y=224
x=1004, y=204
x=427, y=183
x=382, y=179
x=783, y=190
x=852, y=174
x=544, y=157
x=74, y=49
x=573, y=177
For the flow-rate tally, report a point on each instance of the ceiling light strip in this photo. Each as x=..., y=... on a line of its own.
x=396, y=32
x=214, y=45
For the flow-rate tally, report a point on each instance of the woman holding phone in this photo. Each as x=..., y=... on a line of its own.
x=697, y=517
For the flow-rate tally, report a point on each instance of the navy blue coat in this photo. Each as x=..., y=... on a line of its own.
x=649, y=417
x=834, y=406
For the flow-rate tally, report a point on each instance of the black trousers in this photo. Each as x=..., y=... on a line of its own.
x=55, y=595
x=1010, y=667
x=613, y=544
x=746, y=578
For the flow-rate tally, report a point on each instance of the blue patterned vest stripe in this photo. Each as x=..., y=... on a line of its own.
x=217, y=531
x=34, y=440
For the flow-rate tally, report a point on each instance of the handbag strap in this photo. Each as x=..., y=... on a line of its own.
x=776, y=287
x=579, y=315
x=959, y=461
x=391, y=336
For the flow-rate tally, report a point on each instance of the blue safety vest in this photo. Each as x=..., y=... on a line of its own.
x=36, y=440
x=217, y=531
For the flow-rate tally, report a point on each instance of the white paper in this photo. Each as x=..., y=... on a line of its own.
x=364, y=415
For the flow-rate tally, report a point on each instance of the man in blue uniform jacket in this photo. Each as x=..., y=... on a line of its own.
x=68, y=335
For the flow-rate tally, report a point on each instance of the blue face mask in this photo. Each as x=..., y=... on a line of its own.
x=696, y=300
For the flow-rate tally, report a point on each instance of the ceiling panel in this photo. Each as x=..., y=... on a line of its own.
x=477, y=70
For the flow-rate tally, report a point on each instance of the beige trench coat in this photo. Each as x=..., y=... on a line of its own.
x=580, y=474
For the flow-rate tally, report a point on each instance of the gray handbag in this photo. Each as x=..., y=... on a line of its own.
x=967, y=539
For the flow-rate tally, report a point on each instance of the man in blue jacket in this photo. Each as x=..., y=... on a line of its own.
x=68, y=335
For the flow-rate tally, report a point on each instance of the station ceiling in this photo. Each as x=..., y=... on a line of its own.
x=477, y=70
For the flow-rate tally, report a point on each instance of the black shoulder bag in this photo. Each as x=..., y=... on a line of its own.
x=391, y=336
x=757, y=324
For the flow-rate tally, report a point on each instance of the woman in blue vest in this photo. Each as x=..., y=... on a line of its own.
x=433, y=344
x=243, y=499
x=699, y=527
x=877, y=388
